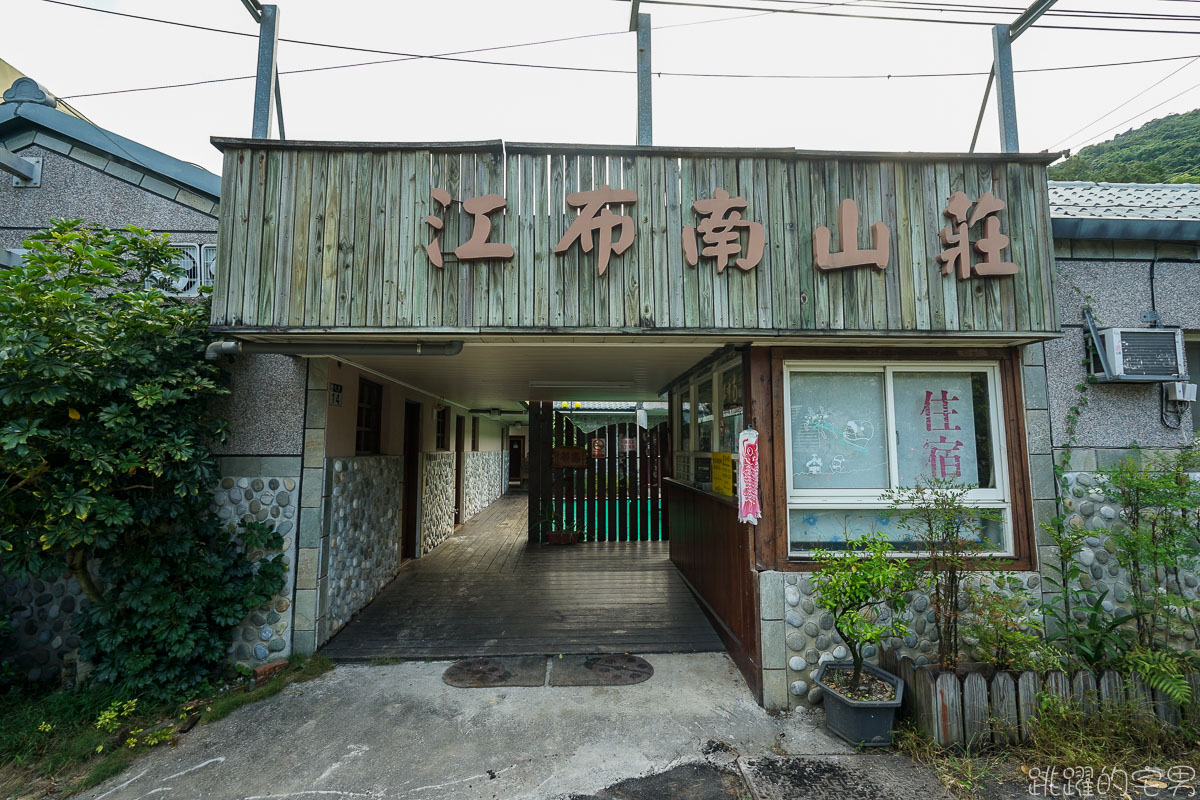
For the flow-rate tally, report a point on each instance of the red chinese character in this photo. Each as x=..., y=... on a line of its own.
x=943, y=461
x=944, y=412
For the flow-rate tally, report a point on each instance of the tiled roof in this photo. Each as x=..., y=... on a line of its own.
x=1148, y=201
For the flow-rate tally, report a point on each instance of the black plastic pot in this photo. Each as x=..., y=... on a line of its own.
x=868, y=723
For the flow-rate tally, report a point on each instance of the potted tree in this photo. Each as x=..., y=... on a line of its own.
x=860, y=698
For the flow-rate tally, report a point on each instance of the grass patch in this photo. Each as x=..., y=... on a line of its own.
x=302, y=668
x=50, y=739
x=50, y=742
x=1123, y=737
x=386, y=661
x=966, y=773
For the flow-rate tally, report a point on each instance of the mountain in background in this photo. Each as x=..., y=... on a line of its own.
x=1165, y=150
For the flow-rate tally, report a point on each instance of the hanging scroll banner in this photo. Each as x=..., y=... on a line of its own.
x=747, y=477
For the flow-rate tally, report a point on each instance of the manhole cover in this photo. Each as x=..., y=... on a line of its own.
x=475, y=673
x=620, y=670
x=606, y=670
x=482, y=673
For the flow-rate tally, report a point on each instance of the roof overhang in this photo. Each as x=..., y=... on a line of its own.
x=18, y=117
x=1154, y=230
x=499, y=146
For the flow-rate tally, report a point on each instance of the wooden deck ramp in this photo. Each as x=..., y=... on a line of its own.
x=488, y=591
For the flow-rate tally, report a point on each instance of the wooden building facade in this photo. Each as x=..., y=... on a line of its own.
x=865, y=313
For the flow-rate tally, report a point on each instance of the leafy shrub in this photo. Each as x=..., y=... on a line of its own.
x=1007, y=631
x=104, y=464
x=852, y=582
x=1077, y=619
x=949, y=532
x=1157, y=536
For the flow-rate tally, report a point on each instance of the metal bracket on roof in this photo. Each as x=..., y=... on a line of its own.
x=1097, y=344
x=1002, y=75
x=26, y=172
x=645, y=106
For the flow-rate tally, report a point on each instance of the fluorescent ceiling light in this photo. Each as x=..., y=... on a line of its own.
x=579, y=384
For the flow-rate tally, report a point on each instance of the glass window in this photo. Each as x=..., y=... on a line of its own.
x=370, y=417
x=942, y=427
x=829, y=529
x=704, y=416
x=857, y=431
x=838, y=422
x=685, y=420
x=731, y=409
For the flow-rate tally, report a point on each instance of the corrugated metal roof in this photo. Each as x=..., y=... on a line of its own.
x=1147, y=201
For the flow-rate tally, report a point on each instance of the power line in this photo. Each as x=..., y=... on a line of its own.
x=1172, y=74
x=934, y=20
x=763, y=76
x=1147, y=111
x=682, y=3
x=976, y=8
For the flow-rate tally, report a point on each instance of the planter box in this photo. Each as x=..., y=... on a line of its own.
x=976, y=707
x=867, y=723
x=562, y=537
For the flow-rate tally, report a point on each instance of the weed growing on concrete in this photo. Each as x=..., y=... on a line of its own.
x=303, y=668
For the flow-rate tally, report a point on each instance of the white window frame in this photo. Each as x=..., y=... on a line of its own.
x=196, y=251
x=208, y=277
x=998, y=498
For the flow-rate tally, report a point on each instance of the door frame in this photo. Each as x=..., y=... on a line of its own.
x=460, y=433
x=409, y=532
x=515, y=465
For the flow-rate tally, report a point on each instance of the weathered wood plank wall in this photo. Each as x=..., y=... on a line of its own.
x=317, y=238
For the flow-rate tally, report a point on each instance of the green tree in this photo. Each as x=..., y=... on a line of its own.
x=852, y=583
x=1164, y=150
x=104, y=463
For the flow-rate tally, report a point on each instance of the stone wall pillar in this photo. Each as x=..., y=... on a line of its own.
x=264, y=489
x=312, y=557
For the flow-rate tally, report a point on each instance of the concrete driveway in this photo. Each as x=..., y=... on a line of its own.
x=399, y=732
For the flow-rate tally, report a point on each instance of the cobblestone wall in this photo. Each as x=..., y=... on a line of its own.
x=483, y=480
x=801, y=636
x=437, y=503
x=365, y=532
x=41, y=611
x=1087, y=509
x=266, y=633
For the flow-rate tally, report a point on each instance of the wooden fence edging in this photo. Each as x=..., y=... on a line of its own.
x=971, y=710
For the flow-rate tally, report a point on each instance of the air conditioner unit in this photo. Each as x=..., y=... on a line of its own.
x=1141, y=354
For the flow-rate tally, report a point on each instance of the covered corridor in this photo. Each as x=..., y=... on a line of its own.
x=488, y=591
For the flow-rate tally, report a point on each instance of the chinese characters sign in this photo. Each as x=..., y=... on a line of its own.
x=720, y=232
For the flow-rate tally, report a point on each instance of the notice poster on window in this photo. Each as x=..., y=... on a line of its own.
x=722, y=473
x=935, y=427
x=747, y=477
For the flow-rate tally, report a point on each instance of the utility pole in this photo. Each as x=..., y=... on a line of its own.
x=1002, y=75
x=645, y=107
x=266, y=84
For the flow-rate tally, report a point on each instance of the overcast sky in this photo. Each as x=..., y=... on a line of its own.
x=73, y=51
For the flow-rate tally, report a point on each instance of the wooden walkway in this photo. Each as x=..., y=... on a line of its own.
x=487, y=591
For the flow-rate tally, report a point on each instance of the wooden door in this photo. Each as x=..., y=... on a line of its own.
x=516, y=454
x=412, y=462
x=460, y=433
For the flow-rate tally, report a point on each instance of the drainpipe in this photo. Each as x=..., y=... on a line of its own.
x=229, y=348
